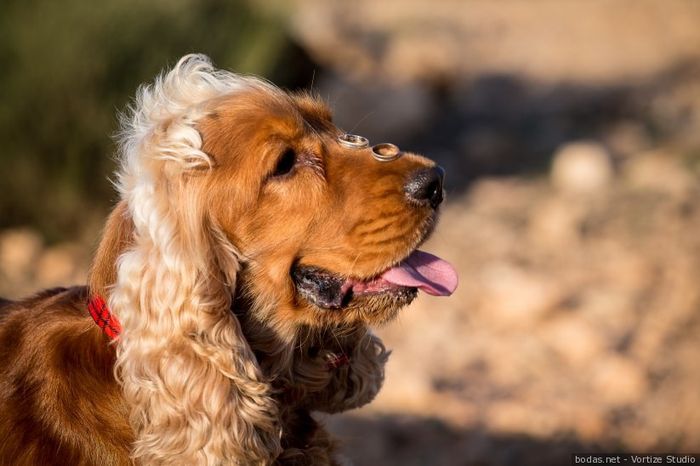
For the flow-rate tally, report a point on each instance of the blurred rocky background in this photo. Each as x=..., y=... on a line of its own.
x=570, y=131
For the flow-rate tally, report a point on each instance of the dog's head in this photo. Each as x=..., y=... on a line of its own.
x=238, y=195
x=260, y=185
x=326, y=232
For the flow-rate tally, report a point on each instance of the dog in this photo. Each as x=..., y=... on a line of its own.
x=232, y=290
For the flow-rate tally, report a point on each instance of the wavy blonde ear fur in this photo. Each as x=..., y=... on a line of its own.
x=197, y=394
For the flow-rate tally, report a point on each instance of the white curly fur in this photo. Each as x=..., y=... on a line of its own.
x=196, y=393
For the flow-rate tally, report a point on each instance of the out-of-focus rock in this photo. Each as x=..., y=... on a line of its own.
x=589, y=422
x=514, y=296
x=555, y=224
x=574, y=339
x=413, y=57
x=582, y=168
x=500, y=195
x=619, y=381
x=18, y=252
x=661, y=173
x=508, y=416
x=625, y=267
x=411, y=392
x=628, y=138
x=59, y=265
x=608, y=308
x=27, y=266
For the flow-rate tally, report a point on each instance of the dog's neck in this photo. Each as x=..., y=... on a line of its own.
x=277, y=353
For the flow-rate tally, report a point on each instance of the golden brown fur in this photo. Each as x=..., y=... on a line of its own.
x=220, y=361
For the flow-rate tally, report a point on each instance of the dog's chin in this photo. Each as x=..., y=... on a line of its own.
x=379, y=308
x=338, y=298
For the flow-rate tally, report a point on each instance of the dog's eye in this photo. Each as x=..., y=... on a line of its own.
x=285, y=163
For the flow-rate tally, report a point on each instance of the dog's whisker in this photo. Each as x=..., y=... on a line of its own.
x=367, y=115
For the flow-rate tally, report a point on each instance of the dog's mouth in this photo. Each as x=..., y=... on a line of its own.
x=418, y=271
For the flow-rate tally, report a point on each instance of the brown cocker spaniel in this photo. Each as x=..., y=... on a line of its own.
x=232, y=289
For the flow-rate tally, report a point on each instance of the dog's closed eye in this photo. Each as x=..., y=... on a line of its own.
x=285, y=163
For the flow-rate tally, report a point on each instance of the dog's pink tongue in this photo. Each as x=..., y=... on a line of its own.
x=425, y=271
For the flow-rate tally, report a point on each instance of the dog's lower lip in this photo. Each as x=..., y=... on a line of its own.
x=370, y=286
x=330, y=291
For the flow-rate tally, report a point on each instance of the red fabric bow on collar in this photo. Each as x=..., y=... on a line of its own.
x=103, y=318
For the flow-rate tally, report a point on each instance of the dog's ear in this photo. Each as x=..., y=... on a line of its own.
x=192, y=382
x=116, y=237
x=193, y=385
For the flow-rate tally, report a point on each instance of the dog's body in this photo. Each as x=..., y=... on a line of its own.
x=246, y=258
x=55, y=364
x=65, y=407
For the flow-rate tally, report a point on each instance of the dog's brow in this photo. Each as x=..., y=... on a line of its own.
x=316, y=164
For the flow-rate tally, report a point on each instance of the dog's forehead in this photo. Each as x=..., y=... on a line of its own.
x=252, y=119
x=272, y=109
x=314, y=111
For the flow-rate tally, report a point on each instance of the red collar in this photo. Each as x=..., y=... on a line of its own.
x=112, y=328
x=103, y=318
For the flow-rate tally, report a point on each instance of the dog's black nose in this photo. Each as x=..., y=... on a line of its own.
x=424, y=186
